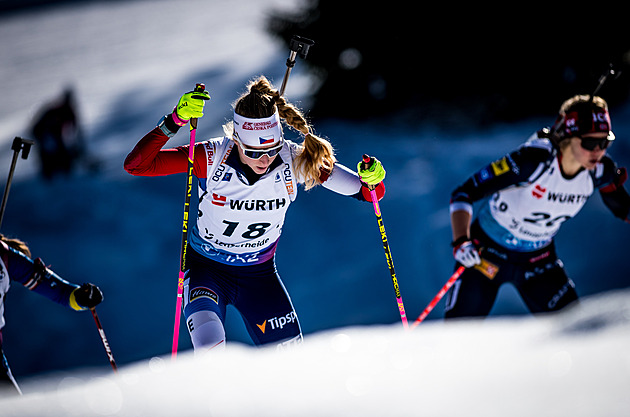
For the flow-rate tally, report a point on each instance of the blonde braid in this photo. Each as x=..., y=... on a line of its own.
x=16, y=244
x=316, y=153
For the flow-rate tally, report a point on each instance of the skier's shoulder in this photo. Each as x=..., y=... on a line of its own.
x=215, y=143
x=293, y=148
x=213, y=147
x=538, y=147
x=534, y=156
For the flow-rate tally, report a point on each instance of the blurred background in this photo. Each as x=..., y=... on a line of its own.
x=435, y=92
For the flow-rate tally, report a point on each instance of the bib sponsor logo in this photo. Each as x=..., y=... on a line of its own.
x=258, y=205
x=500, y=167
x=277, y=323
x=566, y=198
x=249, y=205
x=203, y=292
x=217, y=175
x=209, y=153
x=538, y=191
x=219, y=200
x=288, y=180
x=221, y=168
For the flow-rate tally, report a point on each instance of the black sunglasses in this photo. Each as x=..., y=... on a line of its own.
x=591, y=143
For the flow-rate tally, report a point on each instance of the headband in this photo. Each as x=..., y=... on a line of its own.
x=258, y=132
x=577, y=123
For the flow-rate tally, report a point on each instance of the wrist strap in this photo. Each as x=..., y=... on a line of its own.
x=178, y=121
x=459, y=241
x=168, y=126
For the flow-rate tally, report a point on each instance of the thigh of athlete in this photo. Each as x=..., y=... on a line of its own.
x=266, y=307
x=207, y=292
x=546, y=287
x=472, y=295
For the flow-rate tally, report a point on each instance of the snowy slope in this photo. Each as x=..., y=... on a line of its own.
x=129, y=62
x=573, y=364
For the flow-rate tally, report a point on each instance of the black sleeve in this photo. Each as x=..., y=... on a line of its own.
x=35, y=276
x=610, y=184
x=515, y=168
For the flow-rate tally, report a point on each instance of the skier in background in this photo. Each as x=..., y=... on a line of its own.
x=59, y=138
x=533, y=191
x=247, y=180
x=16, y=265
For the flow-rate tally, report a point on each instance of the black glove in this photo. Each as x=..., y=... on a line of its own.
x=88, y=296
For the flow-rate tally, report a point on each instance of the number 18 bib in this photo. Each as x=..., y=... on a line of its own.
x=240, y=223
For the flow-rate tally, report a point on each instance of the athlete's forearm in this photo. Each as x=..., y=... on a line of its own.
x=149, y=159
x=460, y=224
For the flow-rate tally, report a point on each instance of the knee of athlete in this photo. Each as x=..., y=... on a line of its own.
x=206, y=331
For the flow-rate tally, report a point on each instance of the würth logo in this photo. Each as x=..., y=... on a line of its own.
x=538, y=191
x=249, y=205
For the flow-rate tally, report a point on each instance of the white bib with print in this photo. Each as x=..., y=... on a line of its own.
x=535, y=212
x=237, y=221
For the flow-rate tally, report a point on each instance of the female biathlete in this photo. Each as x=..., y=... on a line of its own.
x=532, y=190
x=247, y=180
x=16, y=265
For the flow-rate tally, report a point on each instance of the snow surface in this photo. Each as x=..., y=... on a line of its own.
x=572, y=364
x=129, y=62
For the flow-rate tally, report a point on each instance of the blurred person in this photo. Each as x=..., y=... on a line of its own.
x=16, y=265
x=58, y=135
x=532, y=191
x=247, y=180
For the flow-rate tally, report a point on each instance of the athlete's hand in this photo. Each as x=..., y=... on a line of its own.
x=467, y=254
x=371, y=172
x=86, y=296
x=190, y=105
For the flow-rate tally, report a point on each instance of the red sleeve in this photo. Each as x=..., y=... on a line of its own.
x=149, y=159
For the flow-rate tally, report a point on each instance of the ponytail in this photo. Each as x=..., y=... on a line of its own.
x=316, y=154
x=16, y=244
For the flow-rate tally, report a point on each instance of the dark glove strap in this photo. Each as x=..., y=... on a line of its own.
x=459, y=241
x=168, y=126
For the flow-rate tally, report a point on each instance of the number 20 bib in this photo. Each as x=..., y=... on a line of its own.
x=533, y=213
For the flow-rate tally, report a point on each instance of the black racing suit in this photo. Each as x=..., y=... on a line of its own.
x=527, y=199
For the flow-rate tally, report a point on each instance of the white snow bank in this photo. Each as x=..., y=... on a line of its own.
x=574, y=363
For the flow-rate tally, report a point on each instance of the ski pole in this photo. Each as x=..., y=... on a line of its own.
x=101, y=332
x=438, y=297
x=18, y=145
x=367, y=161
x=298, y=45
x=184, y=247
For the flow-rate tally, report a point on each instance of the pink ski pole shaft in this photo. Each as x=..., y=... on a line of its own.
x=388, y=253
x=438, y=297
x=184, y=247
